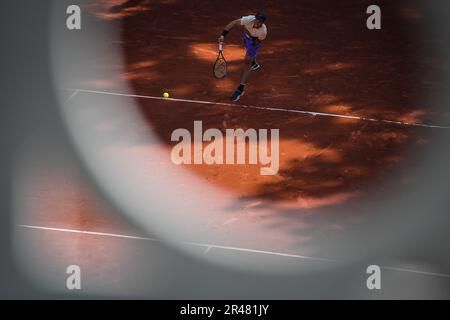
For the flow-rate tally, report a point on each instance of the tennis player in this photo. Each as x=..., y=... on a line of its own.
x=255, y=31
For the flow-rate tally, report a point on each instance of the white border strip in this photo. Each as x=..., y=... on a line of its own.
x=323, y=114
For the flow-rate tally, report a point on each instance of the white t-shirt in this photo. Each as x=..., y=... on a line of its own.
x=247, y=22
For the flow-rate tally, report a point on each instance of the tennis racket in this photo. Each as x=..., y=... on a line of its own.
x=220, y=67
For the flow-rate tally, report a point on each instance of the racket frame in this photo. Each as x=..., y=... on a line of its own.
x=220, y=57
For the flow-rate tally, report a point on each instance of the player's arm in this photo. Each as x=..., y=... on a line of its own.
x=227, y=29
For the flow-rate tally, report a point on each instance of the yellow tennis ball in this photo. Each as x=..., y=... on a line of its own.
x=165, y=95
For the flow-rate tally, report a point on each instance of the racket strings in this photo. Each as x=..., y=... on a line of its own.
x=220, y=68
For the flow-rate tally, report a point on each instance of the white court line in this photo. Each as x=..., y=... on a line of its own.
x=105, y=234
x=417, y=271
x=71, y=96
x=207, y=247
x=312, y=113
x=36, y=131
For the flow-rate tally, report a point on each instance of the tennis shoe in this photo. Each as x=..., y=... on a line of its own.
x=255, y=65
x=236, y=95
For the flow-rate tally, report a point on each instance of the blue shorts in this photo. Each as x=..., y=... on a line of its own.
x=252, y=48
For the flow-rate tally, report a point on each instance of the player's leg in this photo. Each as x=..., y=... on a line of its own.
x=249, y=61
x=252, y=52
x=246, y=68
x=239, y=92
